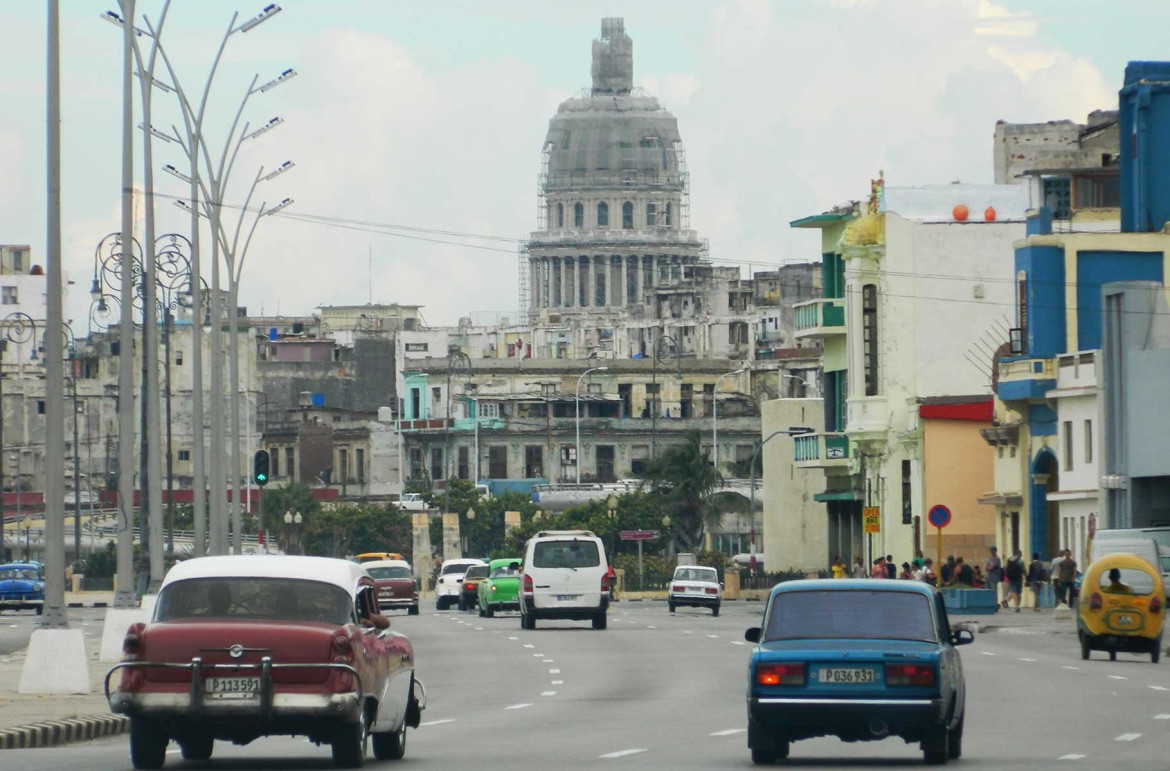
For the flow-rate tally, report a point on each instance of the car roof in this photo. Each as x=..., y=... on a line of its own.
x=465, y=561
x=1120, y=560
x=854, y=584
x=503, y=562
x=386, y=564
x=341, y=573
x=33, y=565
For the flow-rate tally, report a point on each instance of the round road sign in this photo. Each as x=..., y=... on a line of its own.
x=939, y=516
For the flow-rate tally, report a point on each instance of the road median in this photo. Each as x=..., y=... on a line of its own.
x=52, y=733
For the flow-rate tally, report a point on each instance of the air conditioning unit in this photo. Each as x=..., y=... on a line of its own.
x=602, y=354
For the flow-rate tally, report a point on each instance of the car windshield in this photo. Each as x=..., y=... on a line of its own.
x=695, y=574
x=254, y=598
x=477, y=571
x=455, y=567
x=566, y=554
x=382, y=574
x=852, y=614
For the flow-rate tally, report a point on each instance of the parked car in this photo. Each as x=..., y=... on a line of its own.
x=859, y=660
x=248, y=646
x=696, y=586
x=501, y=590
x=469, y=588
x=565, y=576
x=1121, y=607
x=22, y=587
x=397, y=587
x=412, y=502
x=449, y=584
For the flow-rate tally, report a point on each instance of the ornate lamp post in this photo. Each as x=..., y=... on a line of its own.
x=19, y=328
x=660, y=355
x=578, y=415
x=715, y=415
x=292, y=522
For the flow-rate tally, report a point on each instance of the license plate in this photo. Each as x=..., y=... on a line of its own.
x=847, y=675
x=233, y=687
x=567, y=597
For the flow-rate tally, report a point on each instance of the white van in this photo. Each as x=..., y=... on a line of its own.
x=565, y=576
x=1145, y=547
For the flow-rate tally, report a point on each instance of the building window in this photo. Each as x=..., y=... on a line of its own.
x=560, y=215
x=40, y=406
x=603, y=215
x=1068, y=444
x=639, y=457
x=1058, y=196
x=869, y=336
x=343, y=464
x=600, y=298
x=289, y=462
x=628, y=215
x=533, y=461
x=463, y=464
x=907, y=497
x=17, y=260
x=743, y=460
x=437, y=463
x=416, y=463
x=603, y=460
x=568, y=455
x=498, y=462
x=360, y=462
x=579, y=215
x=1088, y=441
x=273, y=459
x=669, y=215
x=651, y=215
x=8, y=295
x=489, y=410
x=1098, y=192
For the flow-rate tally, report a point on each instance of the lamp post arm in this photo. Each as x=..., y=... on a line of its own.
x=239, y=266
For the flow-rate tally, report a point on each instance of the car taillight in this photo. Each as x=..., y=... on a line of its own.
x=677, y=588
x=1155, y=604
x=909, y=674
x=1094, y=601
x=712, y=590
x=780, y=674
x=528, y=584
x=341, y=645
x=132, y=643
x=469, y=585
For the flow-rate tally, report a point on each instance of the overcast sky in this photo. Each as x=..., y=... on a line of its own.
x=414, y=121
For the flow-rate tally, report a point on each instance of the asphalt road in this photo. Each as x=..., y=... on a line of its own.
x=16, y=626
x=662, y=691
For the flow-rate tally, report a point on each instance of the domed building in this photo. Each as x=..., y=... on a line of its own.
x=613, y=248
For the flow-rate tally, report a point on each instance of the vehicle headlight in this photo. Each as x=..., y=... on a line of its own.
x=38, y=587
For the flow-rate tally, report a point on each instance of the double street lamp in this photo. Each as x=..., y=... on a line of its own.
x=659, y=355
x=715, y=415
x=578, y=416
x=292, y=524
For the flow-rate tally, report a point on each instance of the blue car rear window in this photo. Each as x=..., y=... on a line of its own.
x=860, y=614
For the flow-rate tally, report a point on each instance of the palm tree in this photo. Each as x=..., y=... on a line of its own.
x=690, y=487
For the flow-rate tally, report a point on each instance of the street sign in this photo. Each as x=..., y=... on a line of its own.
x=640, y=535
x=873, y=519
x=939, y=516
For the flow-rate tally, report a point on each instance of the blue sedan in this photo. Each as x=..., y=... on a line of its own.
x=22, y=587
x=857, y=659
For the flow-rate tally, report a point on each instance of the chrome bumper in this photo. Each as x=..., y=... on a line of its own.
x=264, y=705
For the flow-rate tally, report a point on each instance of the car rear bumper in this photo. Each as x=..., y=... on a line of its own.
x=180, y=705
x=850, y=719
x=23, y=603
x=694, y=600
x=578, y=612
x=401, y=602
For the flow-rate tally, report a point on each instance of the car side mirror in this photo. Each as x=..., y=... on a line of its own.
x=752, y=635
x=962, y=637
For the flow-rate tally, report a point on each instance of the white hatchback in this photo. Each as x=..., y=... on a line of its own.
x=695, y=585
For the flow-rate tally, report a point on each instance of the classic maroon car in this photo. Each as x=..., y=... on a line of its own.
x=396, y=585
x=249, y=646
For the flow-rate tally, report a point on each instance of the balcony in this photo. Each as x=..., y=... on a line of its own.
x=821, y=450
x=867, y=416
x=1025, y=379
x=820, y=318
x=1076, y=375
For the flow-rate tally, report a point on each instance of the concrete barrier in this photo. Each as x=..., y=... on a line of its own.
x=54, y=732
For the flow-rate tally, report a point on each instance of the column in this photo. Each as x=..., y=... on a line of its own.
x=547, y=281
x=637, y=259
x=586, y=297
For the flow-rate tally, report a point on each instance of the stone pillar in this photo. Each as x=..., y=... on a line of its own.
x=587, y=282
x=638, y=277
x=452, y=549
x=421, y=527
x=547, y=282
x=565, y=301
x=730, y=584
x=511, y=521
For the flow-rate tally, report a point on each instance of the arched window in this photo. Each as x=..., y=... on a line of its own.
x=628, y=215
x=560, y=215
x=603, y=215
x=579, y=215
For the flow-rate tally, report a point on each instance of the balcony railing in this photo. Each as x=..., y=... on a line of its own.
x=867, y=415
x=1024, y=379
x=821, y=450
x=819, y=318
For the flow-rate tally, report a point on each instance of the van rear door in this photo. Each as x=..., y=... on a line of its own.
x=566, y=573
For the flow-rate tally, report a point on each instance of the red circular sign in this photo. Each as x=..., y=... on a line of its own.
x=939, y=516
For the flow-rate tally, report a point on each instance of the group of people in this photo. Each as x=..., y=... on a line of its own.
x=956, y=571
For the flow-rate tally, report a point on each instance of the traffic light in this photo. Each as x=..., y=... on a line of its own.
x=260, y=467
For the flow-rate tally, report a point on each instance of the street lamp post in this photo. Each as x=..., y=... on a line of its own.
x=292, y=521
x=790, y=431
x=807, y=384
x=27, y=530
x=611, y=504
x=715, y=415
x=654, y=378
x=455, y=358
x=578, y=415
x=20, y=328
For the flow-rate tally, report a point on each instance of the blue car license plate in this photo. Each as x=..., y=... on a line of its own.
x=846, y=675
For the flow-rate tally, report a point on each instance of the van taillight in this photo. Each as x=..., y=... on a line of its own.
x=780, y=674
x=528, y=584
x=1155, y=604
x=909, y=674
x=604, y=583
x=1095, y=601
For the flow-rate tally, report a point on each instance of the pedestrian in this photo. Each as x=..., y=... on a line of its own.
x=1036, y=578
x=839, y=570
x=879, y=568
x=891, y=567
x=961, y=574
x=1054, y=572
x=1014, y=571
x=918, y=560
x=980, y=579
x=859, y=568
x=1068, y=578
x=907, y=574
x=993, y=569
x=947, y=569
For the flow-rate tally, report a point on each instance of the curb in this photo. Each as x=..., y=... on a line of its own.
x=55, y=732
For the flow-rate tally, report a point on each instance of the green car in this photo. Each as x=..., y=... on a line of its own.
x=501, y=590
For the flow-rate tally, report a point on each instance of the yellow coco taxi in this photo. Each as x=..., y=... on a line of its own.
x=1121, y=607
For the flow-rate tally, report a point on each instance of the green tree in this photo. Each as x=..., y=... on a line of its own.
x=349, y=530
x=291, y=498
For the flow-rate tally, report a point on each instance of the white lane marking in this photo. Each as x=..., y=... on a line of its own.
x=479, y=629
x=650, y=627
x=548, y=693
x=557, y=682
x=1159, y=688
x=987, y=653
x=738, y=642
x=528, y=645
x=520, y=706
x=713, y=636
x=538, y=655
x=173, y=752
x=554, y=671
x=1027, y=659
x=620, y=753
x=1075, y=669
x=1126, y=737
x=513, y=638
x=1118, y=677
x=1070, y=757
x=547, y=661
x=729, y=732
x=1162, y=717
x=438, y=722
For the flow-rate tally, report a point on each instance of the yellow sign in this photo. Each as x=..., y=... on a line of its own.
x=873, y=519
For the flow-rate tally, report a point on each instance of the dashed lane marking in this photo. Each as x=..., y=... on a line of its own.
x=651, y=627
x=1027, y=659
x=987, y=653
x=548, y=693
x=1118, y=677
x=621, y=753
x=1070, y=757
x=520, y=706
x=547, y=661
x=1074, y=669
x=738, y=642
x=713, y=636
x=538, y=655
x=1126, y=737
x=438, y=722
x=729, y=732
x=1161, y=717
x=557, y=682
x=554, y=671
x=529, y=645
x=1159, y=688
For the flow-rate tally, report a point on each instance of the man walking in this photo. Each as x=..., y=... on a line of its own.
x=1015, y=576
x=859, y=568
x=1068, y=578
x=993, y=569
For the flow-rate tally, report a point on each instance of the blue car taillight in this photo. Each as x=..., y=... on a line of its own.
x=780, y=674
x=910, y=674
